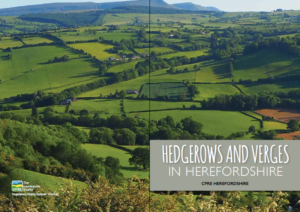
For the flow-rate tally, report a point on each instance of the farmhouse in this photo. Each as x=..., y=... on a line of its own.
x=132, y=92
x=136, y=57
x=112, y=58
x=67, y=101
x=171, y=35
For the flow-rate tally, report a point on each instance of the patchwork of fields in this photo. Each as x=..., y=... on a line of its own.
x=172, y=90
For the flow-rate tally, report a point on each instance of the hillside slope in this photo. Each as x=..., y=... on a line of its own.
x=194, y=7
x=64, y=7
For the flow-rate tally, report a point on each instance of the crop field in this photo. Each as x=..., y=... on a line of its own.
x=105, y=151
x=187, y=54
x=264, y=64
x=270, y=87
x=97, y=106
x=289, y=136
x=211, y=90
x=29, y=71
x=172, y=90
x=97, y=50
x=9, y=42
x=284, y=115
x=119, y=19
x=139, y=105
x=35, y=40
x=227, y=122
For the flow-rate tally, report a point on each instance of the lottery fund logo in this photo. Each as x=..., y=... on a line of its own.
x=16, y=185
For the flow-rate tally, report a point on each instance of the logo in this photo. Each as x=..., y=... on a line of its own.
x=17, y=185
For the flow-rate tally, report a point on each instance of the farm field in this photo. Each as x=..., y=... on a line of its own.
x=228, y=122
x=154, y=49
x=253, y=88
x=289, y=136
x=122, y=67
x=143, y=105
x=97, y=106
x=187, y=54
x=7, y=42
x=211, y=90
x=105, y=151
x=265, y=63
x=172, y=90
x=97, y=50
x=284, y=115
x=272, y=125
x=117, y=36
x=35, y=40
x=211, y=71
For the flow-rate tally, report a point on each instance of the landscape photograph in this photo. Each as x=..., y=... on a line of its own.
x=85, y=86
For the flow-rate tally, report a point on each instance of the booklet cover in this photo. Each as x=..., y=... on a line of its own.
x=149, y=105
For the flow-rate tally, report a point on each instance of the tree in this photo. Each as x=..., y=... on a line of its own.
x=122, y=94
x=252, y=129
x=193, y=90
x=293, y=125
x=140, y=157
x=34, y=112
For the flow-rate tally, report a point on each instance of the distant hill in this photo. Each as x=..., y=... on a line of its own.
x=65, y=7
x=194, y=7
x=61, y=7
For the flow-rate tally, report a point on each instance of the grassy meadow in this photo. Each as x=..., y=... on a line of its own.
x=105, y=151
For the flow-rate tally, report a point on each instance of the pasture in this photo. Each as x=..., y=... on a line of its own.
x=7, y=42
x=172, y=90
x=187, y=54
x=98, y=50
x=35, y=40
x=29, y=71
x=124, y=66
x=265, y=63
x=253, y=88
x=104, y=151
x=214, y=122
x=284, y=115
x=143, y=105
x=97, y=106
x=154, y=49
x=273, y=125
x=211, y=90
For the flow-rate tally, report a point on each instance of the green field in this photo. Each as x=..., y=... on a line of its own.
x=154, y=49
x=211, y=90
x=214, y=122
x=265, y=63
x=139, y=105
x=97, y=50
x=272, y=125
x=29, y=71
x=187, y=54
x=97, y=105
x=172, y=90
x=9, y=42
x=271, y=87
x=35, y=40
x=105, y=151
x=122, y=67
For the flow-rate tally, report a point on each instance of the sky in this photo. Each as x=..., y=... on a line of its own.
x=225, y=5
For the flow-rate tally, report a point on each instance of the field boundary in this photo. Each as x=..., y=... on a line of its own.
x=260, y=121
x=234, y=85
